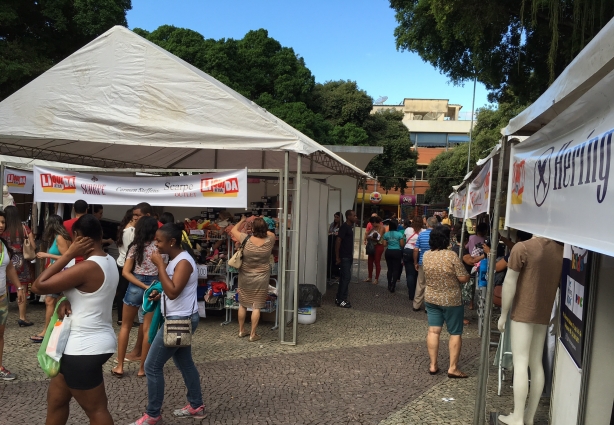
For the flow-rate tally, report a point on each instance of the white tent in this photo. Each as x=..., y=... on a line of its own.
x=122, y=101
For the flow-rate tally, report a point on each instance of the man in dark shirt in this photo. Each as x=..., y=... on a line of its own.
x=344, y=250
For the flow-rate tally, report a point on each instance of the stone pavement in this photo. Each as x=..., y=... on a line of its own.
x=365, y=365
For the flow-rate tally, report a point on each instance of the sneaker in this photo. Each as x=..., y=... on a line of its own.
x=147, y=420
x=345, y=304
x=6, y=375
x=189, y=412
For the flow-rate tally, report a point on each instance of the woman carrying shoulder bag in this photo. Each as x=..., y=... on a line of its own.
x=393, y=241
x=178, y=302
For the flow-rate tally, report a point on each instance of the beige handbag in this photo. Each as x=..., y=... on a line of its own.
x=237, y=258
x=177, y=332
x=29, y=250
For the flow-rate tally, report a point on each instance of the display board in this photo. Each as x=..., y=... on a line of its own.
x=479, y=192
x=215, y=190
x=19, y=181
x=574, y=291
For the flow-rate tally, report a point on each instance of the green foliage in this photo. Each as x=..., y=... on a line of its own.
x=449, y=168
x=273, y=76
x=515, y=52
x=35, y=35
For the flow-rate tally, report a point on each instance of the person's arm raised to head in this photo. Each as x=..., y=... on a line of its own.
x=172, y=287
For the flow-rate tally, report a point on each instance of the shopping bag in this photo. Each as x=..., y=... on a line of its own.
x=49, y=366
x=58, y=338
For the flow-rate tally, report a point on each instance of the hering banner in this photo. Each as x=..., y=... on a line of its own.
x=19, y=181
x=215, y=190
x=479, y=192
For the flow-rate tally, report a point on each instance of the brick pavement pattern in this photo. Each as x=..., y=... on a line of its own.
x=365, y=365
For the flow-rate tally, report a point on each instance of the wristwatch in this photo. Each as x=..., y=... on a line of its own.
x=20, y=289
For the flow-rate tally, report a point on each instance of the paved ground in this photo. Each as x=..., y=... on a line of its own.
x=366, y=365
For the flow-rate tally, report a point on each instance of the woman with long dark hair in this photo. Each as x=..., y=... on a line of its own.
x=376, y=235
x=7, y=271
x=179, y=283
x=89, y=287
x=140, y=273
x=15, y=234
x=58, y=241
x=125, y=236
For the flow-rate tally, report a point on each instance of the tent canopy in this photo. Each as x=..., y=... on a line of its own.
x=591, y=65
x=122, y=101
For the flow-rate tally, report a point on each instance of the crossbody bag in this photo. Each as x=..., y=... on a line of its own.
x=177, y=332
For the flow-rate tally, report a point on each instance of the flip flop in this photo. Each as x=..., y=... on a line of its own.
x=37, y=339
x=255, y=338
x=434, y=373
x=116, y=374
x=459, y=375
x=243, y=335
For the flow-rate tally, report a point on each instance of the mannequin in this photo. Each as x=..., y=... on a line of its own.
x=7, y=198
x=531, y=282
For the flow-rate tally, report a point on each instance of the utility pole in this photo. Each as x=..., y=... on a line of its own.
x=475, y=80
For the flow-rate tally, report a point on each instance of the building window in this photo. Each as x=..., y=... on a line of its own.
x=420, y=199
x=421, y=173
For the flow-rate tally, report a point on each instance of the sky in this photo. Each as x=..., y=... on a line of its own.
x=339, y=40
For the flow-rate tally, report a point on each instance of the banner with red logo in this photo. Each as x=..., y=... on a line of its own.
x=479, y=192
x=459, y=201
x=216, y=190
x=19, y=181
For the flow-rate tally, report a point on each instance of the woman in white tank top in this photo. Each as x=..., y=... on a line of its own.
x=89, y=287
x=179, y=282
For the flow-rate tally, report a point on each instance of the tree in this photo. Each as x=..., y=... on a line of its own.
x=515, y=47
x=35, y=35
x=449, y=168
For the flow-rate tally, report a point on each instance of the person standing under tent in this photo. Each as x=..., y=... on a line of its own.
x=422, y=246
x=80, y=209
x=7, y=271
x=344, y=253
x=481, y=232
x=140, y=272
x=89, y=287
x=332, y=270
x=178, y=301
x=254, y=273
x=445, y=219
x=15, y=234
x=97, y=211
x=58, y=240
x=393, y=241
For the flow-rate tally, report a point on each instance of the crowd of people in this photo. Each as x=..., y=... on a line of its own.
x=438, y=270
x=152, y=280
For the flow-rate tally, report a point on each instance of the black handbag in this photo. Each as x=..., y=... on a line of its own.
x=370, y=248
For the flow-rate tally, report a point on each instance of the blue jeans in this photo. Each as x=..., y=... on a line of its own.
x=182, y=357
x=134, y=294
x=345, y=274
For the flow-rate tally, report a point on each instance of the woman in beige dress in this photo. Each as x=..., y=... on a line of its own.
x=254, y=274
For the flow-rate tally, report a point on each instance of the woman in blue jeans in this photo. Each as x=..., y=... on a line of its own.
x=140, y=273
x=179, y=282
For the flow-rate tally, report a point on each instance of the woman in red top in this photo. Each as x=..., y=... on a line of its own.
x=15, y=234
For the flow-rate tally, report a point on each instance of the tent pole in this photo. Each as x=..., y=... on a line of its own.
x=362, y=218
x=464, y=224
x=297, y=221
x=2, y=182
x=283, y=239
x=480, y=403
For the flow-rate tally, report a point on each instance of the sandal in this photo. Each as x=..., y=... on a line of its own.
x=254, y=338
x=37, y=339
x=459, y=375
x=243, y=335
x=117, y=374
x=466, y=322
x=434, y=373
x=368, y=280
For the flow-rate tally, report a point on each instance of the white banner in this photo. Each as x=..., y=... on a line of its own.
x=216, y=190
x=459, y=201
x=479, y=192
x=19, y=181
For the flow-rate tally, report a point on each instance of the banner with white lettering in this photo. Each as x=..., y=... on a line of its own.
x=216, y=190
x=19, y=181
x=479, y=192
x=459, y=200
x=555, y=181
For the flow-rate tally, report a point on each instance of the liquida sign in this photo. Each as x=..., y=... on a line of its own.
x=14, y=180
x=215, y=188
x=584, y=164
x=55, y=183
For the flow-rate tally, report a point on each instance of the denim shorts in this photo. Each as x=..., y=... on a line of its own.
x=451, y=316
x=134, y=294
